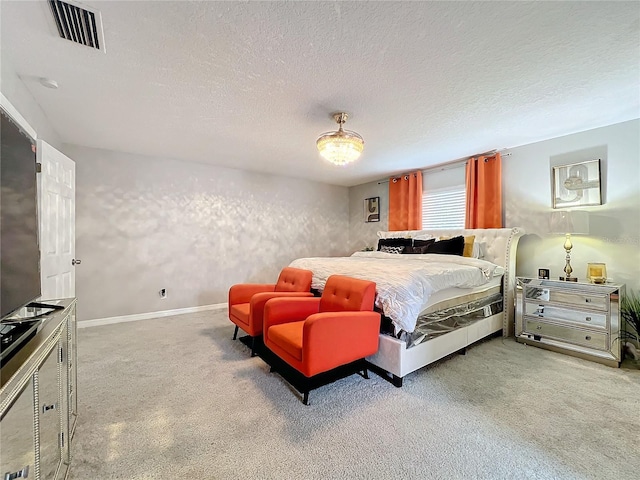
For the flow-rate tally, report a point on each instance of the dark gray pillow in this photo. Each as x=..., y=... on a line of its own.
x=423, y=243
x=415, y=250
x=452, y=246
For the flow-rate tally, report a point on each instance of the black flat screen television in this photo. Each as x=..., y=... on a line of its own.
x=19, y=248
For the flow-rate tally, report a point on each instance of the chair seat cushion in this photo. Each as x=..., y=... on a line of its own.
x=240, y=311
x=288, y=336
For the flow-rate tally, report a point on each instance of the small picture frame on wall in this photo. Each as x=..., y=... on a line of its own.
x=577, y=184
x=372, y=209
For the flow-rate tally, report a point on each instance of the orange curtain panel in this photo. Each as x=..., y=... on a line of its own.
x=484, y=192
x=405, y=202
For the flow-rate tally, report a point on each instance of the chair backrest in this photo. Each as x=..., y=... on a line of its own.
x=294, y=280
x=342, y=293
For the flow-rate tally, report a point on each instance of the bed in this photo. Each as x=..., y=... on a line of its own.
x=432, y=305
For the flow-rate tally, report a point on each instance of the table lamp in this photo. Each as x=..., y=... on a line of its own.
x=566, y=223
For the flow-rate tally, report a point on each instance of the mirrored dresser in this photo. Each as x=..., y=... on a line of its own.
x=580, y=319
x=38, y=401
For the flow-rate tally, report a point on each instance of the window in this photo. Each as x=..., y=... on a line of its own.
x=444, y=208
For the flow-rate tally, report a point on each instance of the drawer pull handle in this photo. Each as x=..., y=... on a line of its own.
x=588, y=337
x=539, y=327
x=588, y=319
x=588, y=300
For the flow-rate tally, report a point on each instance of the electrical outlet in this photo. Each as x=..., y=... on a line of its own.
x=163, y=293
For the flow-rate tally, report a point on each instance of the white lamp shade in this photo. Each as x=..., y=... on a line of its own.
x=569, y=221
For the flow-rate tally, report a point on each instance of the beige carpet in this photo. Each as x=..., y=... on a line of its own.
x=176, y=398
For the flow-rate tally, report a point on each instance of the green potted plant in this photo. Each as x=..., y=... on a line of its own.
x=630, y=311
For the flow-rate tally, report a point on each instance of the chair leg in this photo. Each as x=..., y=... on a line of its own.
x=235, y=333
x=365, y=373
x=305, y=398
x=253, y=346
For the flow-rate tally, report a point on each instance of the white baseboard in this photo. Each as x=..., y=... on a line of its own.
x=146, y=316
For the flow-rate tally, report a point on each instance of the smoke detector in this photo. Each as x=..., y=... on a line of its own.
x=78, y=23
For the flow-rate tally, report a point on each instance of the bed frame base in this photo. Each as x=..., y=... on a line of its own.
x=394, y=360
x=389, y=377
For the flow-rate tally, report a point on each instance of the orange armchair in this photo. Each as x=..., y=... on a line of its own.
x=318, y=335
x=247, y=300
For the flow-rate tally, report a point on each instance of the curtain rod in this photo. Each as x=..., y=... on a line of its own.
x=455, y=163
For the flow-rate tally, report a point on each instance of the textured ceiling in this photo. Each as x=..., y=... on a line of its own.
x=251, y=85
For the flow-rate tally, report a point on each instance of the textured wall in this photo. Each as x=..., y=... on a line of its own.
x=363, y=234
x=143, y=224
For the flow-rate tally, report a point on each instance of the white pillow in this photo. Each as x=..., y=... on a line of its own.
x=398, y=234
x=423, y=236
x=478, y=250
x=416, y=234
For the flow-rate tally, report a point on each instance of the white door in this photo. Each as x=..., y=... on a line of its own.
x=57, y=220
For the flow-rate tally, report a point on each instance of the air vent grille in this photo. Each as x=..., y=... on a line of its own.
x=78, y=24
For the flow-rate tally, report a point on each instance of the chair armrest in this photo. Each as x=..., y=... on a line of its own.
x=242, y=292
x=258, y=301
x=331, y=339
x=288, y=309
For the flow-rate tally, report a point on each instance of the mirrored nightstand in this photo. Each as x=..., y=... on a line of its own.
x=579, y=319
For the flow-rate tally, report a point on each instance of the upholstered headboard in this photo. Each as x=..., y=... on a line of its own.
x=498, y=245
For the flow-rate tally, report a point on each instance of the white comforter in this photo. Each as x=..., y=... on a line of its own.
x=404, y=283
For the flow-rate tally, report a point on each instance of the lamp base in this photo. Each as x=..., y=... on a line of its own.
x=569, y=279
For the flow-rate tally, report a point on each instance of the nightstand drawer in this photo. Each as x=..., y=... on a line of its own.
x=596, y=340
x=578, y=317
x=579, y=299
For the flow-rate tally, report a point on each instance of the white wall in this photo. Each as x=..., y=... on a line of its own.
x=446, y=177
x=614, y=226
x=144, y=223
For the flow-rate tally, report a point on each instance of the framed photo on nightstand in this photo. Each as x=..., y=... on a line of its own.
x=543, y=273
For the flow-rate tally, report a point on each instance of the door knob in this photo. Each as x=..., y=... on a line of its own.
x=76, y=262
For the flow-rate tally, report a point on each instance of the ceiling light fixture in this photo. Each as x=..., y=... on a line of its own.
x=341, y=146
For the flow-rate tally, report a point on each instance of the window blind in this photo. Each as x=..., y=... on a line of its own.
x=444, y=208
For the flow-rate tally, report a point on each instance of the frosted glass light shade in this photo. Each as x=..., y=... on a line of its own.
x=341, y=146
x=340, y=149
